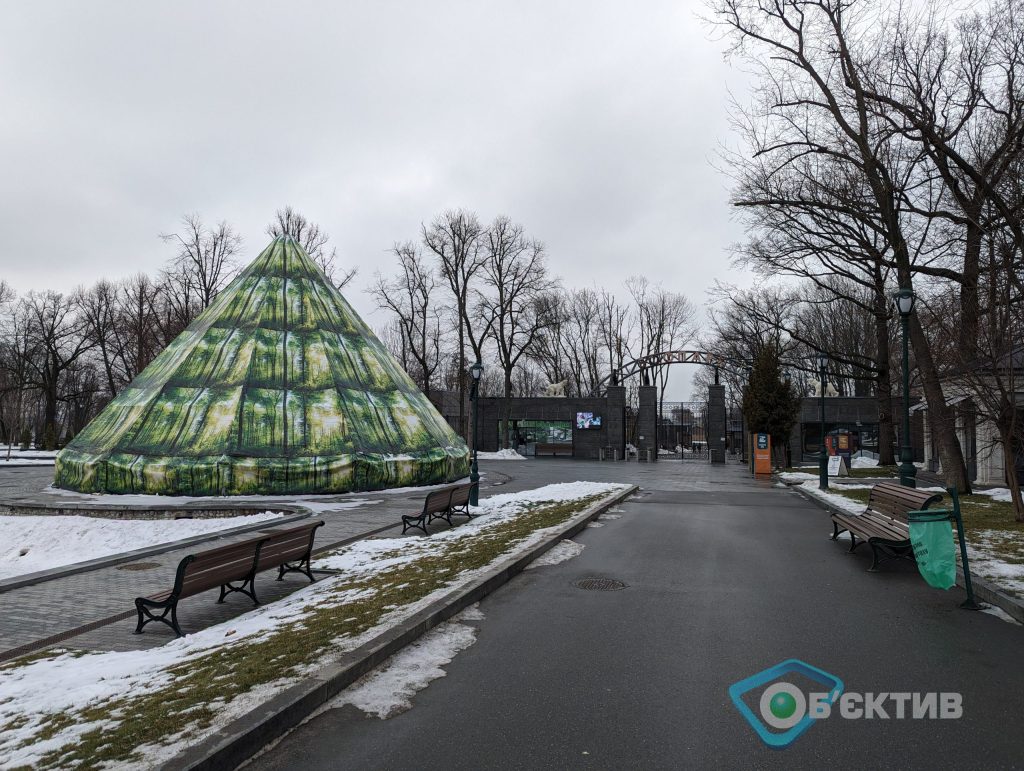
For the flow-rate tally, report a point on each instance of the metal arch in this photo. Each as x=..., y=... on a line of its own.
x=668, y=357
x=658, y=360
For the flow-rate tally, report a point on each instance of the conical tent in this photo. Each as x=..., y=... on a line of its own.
x=277, y=388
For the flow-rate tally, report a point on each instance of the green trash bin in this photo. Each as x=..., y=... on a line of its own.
x=932, y=539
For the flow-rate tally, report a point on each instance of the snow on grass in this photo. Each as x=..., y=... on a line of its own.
x=864, y=463
x=837, y=501
x=997, y=556
x=508, y=454
x=388, y=690
x=997, y=494
x=563, y=550
x=796, y=477
x=90, y=710
x=32, y=543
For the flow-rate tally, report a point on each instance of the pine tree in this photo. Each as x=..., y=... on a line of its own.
x=770, y=404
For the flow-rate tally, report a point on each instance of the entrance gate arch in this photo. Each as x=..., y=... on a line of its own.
x=714, y=412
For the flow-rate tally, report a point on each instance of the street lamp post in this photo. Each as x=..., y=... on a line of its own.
x=474, y=472
x=904, y=300
x=822, y=454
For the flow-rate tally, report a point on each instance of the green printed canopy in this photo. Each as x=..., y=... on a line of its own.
x=277, y=388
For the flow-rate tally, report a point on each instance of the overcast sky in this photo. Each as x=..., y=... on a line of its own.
x=595, y=124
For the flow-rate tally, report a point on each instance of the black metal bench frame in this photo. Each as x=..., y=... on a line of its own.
x=879, y=529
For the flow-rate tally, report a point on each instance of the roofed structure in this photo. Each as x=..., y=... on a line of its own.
x=277, y=388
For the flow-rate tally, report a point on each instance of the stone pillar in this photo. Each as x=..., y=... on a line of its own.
x=647, y=420
x=716, y=423
x=615, y=420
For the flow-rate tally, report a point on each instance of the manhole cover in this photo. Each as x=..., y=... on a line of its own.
x=139, y=566
x=599, y=584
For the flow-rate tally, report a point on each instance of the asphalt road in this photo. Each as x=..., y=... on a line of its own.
x=723, y=582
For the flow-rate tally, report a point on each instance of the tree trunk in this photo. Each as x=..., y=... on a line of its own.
x=506, y=413
x=940, y=416
x=886, y=432
x=1010, y=465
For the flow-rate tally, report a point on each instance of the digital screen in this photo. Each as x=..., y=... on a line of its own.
x=587, y=420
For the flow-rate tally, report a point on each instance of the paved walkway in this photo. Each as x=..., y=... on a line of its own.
x=61, y=605
x=725, y=577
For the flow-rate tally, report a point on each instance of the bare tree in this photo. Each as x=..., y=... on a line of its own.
x=412, y=297
x=55, y=341
x=455, y=237
x=202, y=267
x=516, y=275
x=314, y=240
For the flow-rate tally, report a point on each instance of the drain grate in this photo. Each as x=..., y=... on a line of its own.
x=139, y=566
x=599, y=584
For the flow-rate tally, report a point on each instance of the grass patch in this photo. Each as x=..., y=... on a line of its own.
x=344, y=609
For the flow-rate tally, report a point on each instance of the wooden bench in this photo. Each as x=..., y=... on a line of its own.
x=233, y=568
x=884, y=525
x=552, y=449
x=440, y=504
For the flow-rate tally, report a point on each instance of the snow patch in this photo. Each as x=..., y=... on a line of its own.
x=560, y=552
x=594, y=524
x=1001, y=614
x=500, y=455
x=32, y=543
x=388, y=690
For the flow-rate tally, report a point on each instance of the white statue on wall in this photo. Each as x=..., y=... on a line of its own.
x=556, y=389
x=830, y=390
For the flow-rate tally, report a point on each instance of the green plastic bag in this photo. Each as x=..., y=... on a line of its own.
x=932, y=540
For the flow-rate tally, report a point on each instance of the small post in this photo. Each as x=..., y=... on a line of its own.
x=970, y=603
x=823, y=453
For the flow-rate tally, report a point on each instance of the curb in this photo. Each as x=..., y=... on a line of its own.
x=983, y=590
x=18, y=582
x=248, y=734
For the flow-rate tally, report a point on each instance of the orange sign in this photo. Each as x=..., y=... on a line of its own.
x=762, y=455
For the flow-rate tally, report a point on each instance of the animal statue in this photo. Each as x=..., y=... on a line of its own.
x=830, y=390
x=556, y=389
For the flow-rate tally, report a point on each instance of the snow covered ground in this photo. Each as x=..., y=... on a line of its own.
x=30, y=544
x=26, y=457
x=560, y=552
x=388, y=690
x=508, y=454
x=65, y=683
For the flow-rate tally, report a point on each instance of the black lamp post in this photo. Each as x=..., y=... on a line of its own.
x=822, y=453
x=476, y=370
x=904, y=300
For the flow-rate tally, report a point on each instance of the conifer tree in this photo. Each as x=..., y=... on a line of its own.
x=770, y=403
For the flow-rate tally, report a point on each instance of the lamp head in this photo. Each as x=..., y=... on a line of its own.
x=822, y=362
x=476, y=370
x=904, y=300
